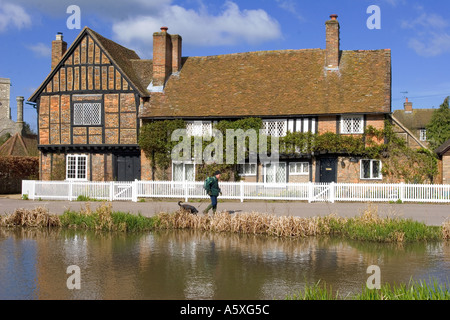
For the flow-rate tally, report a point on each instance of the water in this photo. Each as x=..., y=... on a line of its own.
x=197, y=265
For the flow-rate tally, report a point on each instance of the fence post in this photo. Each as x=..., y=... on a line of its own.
x=134, y=190
x=185, y=191
x=111, y=190
x=70, y=190
x=332, y=192
x=310, y=192
x=402, y=191
x=242, y=190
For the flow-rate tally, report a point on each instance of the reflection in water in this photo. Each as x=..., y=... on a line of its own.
x=199, y=265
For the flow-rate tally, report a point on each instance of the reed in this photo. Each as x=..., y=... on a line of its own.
x=38, y=217
x=368, y=226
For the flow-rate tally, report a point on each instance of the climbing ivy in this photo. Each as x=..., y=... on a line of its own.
x=399, y=160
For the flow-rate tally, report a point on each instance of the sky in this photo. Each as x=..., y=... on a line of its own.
x=417, y=32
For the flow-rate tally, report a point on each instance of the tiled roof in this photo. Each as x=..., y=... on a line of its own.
x=417, y=119
x=276, y=83
x=18, y=145
x=443, y=148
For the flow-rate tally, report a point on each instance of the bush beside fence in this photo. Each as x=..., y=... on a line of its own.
x=15, y=169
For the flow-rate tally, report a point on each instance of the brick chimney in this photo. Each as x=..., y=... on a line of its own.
x=408, y=106
x=166, y=56
x=176, y=52
x=332, y=39
x=59, y=47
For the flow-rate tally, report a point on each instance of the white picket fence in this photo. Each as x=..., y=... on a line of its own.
x=311, y=192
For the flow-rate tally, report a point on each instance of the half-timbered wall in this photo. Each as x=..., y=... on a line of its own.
x=88, y=76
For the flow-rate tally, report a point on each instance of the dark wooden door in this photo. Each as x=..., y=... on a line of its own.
x=128, y=167
x=328, y=170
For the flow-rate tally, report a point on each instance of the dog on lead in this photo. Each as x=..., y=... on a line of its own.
x=188, y=208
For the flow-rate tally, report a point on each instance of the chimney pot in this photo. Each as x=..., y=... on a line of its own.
x=333, y=16
x=164, y=29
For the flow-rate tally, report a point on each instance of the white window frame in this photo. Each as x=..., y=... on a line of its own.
x=277, y=184
x=77, y=167
x=86, y=112
x=277, y=124
x=198, y=128
x=423, y=134
x=184, y=163
x=352, y=119
x=302, y=172
x=245, y=169
x=380, y=176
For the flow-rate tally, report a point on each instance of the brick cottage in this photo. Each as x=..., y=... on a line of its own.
x=100, y=93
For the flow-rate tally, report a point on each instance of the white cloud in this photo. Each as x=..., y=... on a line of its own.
x=199, y=28
x=41, y=49
x=290, y=6
x=431, y=34
x=12, y=15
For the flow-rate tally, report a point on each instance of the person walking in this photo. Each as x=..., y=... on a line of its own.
x=213, y=190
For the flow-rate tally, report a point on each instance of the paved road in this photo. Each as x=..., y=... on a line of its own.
x=431, y=214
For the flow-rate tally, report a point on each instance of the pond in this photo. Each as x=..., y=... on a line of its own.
x=200, y=265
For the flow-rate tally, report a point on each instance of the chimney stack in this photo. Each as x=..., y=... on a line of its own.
x=408, y=106
x=332, y=42
x=59, y=47
x=166, y=56
x=19, y=122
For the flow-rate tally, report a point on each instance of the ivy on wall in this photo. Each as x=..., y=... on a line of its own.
x=399, y=160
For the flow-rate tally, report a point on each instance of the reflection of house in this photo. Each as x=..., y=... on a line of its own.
x=411, y=124
x=444, y=155
x=99, y=93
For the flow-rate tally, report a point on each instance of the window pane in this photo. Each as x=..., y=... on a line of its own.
x=281, y=173
x=366, y=169
x=81, y=168
x=375, y=169
x=177, y=172
x=78, y=113
x=71, y=167
x=269, y=173
x=189, y=172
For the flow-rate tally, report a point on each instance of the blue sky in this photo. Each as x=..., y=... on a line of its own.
x=417, y=32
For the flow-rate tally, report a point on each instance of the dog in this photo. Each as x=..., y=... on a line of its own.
x=188, y=208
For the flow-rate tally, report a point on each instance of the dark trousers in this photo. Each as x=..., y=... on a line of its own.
x=214, y=202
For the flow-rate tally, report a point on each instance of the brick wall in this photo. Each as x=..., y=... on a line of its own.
x=446, y=168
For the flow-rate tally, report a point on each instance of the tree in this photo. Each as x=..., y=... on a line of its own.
x=438, y=130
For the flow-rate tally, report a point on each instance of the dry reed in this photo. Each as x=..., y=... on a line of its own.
x=38, y=217
x=446, y=230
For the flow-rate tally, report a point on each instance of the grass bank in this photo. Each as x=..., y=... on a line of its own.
x=368, y=226
x=414, y=290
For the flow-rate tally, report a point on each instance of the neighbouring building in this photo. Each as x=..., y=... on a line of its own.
x=99, y=93
x=443, y=153
x=410, y=124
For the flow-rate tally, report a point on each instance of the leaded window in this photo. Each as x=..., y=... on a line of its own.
x=199, y=128
x=352, y=124
x=371, y=169
x=87, y=113
x=183, y=171
x=275, y=172
x=247, y=169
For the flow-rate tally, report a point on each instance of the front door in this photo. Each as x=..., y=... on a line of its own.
x=128, y=167
x=328, y=170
